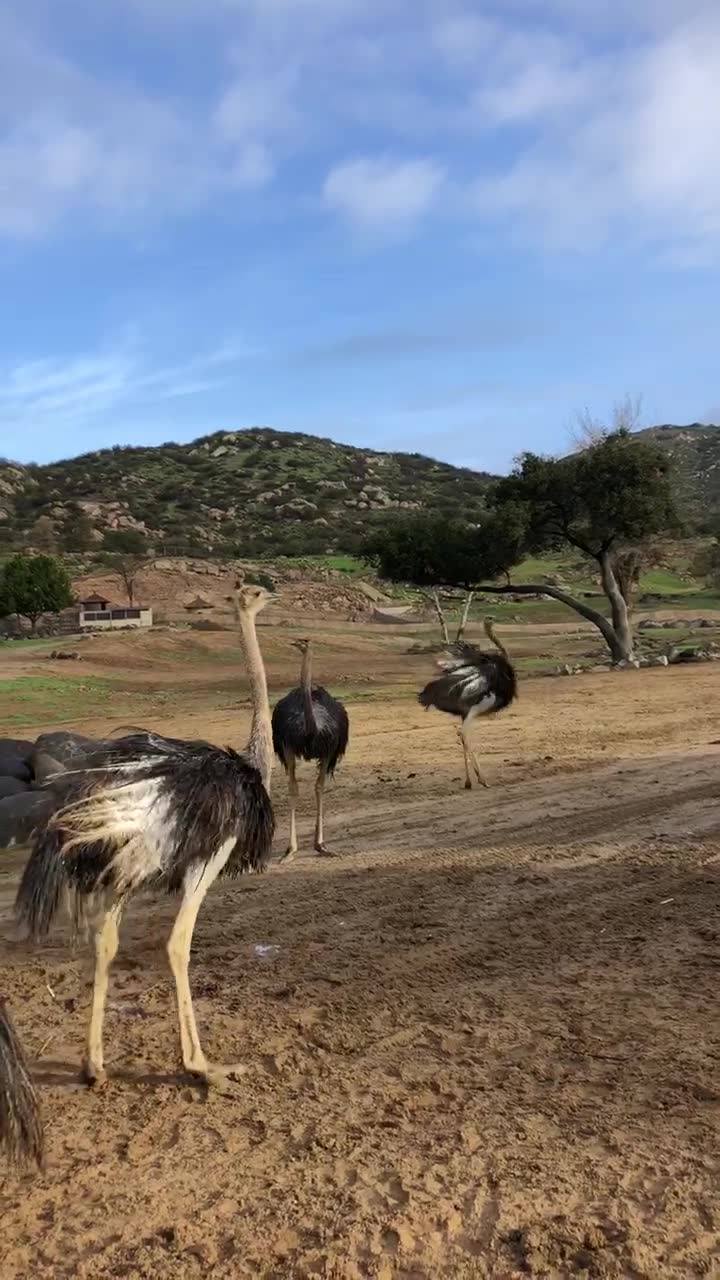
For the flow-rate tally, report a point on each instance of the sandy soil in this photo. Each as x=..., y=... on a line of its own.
x=484, y=1042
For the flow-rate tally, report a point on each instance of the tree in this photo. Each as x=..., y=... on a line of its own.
x=33, y=585
x=589, y=430
x=605, y=502
x=42, y=534
x=125, y=542
x=127, y=568
x=613, y=496
x=705, y=564
x=431, y=551
x=127, y=557
x=77, y=530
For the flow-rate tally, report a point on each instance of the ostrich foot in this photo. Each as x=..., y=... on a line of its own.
x=468, y=785
x=288, y=855
x=323, y=852
x=94, y=1077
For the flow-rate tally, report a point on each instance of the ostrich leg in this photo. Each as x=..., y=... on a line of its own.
x=480, y=777
x=106, y=945
x=320, y=846
x=473, y=712
x=293, y=791
x=463, y=743
x=178, y=949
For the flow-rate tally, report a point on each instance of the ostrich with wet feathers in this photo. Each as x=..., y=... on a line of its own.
x=473, y=682
x=21, y=1129
x=151, y=812
x=309, y=724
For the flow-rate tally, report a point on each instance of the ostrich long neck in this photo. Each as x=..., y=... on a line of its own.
x=306, y=686
x=259, y=748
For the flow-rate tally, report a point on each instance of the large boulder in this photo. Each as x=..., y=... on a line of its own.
x=12, y=787
x=47, y=769
x=69, y=749
x=13, y=766
x=18, y=747
x=21, y=814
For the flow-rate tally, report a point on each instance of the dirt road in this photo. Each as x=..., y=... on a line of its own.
x=483, y=1042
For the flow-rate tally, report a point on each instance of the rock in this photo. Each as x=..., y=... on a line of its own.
x=64, y=655
x=649, y=624
x=21, y=748
x=299, y=505
x=46, y=769
x=683, y=656
x=21, y=814
x=628, y=664
x=68, y=748
x=13, y=767
x=370, y=592
x=660, y=660
x=12, y=787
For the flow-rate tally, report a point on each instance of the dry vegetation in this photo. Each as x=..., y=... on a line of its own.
x=482, y=1043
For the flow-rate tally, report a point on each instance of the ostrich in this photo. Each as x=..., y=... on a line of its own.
x=147, y=811
x=473, y=683
x=309, y=724
x=21, y=1130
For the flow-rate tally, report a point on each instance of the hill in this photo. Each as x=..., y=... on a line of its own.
x=262, y=492
x=251, y=492
x=695, y=451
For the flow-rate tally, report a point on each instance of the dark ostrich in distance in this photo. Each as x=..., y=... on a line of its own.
x=309, y=724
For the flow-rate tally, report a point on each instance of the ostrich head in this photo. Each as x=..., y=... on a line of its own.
x=250, y=599
x=302, y=644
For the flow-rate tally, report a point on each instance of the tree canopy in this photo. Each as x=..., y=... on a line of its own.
x=125, y=542
x=33, y=585
x=605, y=502
x=615, y=492
x=430, y=551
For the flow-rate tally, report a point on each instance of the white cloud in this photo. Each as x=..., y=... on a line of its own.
x=377, y=191
x=638, y=154
x=81, y=387
x=76, y=141
x=559, y=121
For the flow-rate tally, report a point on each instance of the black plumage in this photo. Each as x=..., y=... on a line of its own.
x=21, y=1128
x=470, y=679
x=189, y=799
x=472, y=682
x=322, y=737
x=151, y=812
x=309, y=724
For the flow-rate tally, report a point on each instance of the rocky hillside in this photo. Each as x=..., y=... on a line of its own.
x=695, y=450
x=252, y=492
x=262, y=492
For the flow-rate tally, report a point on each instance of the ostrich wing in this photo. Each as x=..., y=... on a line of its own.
x=461, y=686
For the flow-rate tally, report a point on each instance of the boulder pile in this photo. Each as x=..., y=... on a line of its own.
x=31, y=780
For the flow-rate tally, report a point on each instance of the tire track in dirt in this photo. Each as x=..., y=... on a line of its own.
x=543, y=813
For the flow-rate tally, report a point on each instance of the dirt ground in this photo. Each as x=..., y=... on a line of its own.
x=482, y=1042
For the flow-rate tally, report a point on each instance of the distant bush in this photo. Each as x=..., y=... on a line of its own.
x=125, y=542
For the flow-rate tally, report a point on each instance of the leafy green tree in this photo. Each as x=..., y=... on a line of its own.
x=42, y=534
x=125, y=542
x=429, y=550
x=33, y=585
x=606, y=502
x=77, y=530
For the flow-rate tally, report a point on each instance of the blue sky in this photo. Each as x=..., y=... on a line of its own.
x=410, y=224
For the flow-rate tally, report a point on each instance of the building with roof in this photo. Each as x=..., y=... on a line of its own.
x=96, y=613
